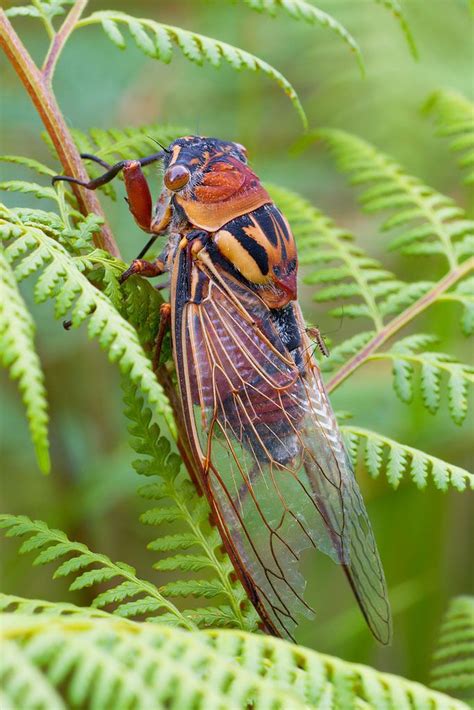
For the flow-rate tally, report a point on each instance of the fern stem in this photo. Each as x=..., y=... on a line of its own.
x=45, y=103
x=60, y=38
x=400, y=322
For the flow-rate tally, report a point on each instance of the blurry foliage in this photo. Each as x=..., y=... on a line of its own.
x=58, y=650
x=453, y=670
x=87, y=434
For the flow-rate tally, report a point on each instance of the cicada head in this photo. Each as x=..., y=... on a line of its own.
x=211, y=181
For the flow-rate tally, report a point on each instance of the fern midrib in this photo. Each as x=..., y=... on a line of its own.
x=210, y=553
x=391, y=444
x=405, y=184
x=356, y=272
x=147, y=587
x=399, y=322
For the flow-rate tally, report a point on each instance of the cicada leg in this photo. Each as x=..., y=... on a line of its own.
x=165, y=320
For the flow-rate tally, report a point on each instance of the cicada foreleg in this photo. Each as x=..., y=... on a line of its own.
x=165, y=322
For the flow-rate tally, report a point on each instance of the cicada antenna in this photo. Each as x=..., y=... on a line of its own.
x=159, y=144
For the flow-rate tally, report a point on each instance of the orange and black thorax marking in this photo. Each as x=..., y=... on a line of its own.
x=214, y=190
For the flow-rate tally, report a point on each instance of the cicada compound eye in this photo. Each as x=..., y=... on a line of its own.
x=176, y=177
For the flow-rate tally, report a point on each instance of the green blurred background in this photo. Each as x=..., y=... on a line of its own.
x=423, y=536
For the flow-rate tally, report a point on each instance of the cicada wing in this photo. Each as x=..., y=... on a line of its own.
x=272, y=460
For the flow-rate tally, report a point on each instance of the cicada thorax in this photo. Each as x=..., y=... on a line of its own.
x=261, y=247
x=218, y=193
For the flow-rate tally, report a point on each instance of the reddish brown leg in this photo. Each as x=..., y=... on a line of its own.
x=165, y=317
x=138, y=192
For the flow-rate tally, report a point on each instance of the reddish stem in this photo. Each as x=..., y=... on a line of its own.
x=38, y=87
x=399, y=322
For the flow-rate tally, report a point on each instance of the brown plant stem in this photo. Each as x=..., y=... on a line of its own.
x=38, y=86
x=399, y=322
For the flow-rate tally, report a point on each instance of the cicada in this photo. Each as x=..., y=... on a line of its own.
x=265, y=442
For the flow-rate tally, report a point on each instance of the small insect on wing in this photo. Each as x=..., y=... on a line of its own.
x=273, y=464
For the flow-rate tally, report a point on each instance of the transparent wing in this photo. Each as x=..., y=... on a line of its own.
x=272, y=459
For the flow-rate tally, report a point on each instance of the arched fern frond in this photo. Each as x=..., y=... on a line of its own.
x=453, y=670
x=128, y=597
x=302, y=10
x=427, y=221
x=454, y=116
x=341, y=268
x=31, y=249
x=409, y=355
x=112, y=663
x=194, y=548
x=18, y=354
x=158, y=41
x=382, y=454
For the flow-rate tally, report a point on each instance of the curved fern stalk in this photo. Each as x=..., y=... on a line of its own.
x=111, y=663
x=302, y=10
x=61, y=278
x=18, y=354
x=380, y=453
x=343, y=270
x=157, y=40
x=428, y=222
x=453, y=670
x=405, y=356
x=454, y=115
x=195, y=547
x=90, y=568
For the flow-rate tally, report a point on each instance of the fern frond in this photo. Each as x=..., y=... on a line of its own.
x=33, y=250
x=18, y=354
x=23, y=684
x=406, y=357
x=177, y=502
x=454, y=115
x=107, y=662
x=428, y=222
x=453, y=670
x=338, y=261
x=44, y=9
x=158, y=40
x=30, y=163
x=397, y=11
x=380, y=453
x=302, y=10
x=89, y=569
